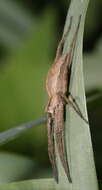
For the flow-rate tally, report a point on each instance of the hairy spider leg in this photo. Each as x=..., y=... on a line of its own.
x=62, y=41
x=74, y=105
x=51, y=146
x=72, y=45
x=60, y=138
x=78, y=108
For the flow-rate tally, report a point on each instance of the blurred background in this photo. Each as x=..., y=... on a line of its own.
x=29, y=34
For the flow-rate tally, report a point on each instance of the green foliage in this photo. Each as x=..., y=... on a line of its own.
x=22, y=98
x=22, y=86
x=41, y=184
x=15, y=167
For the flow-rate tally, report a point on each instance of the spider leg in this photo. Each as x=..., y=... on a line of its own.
x=51, y=146
x=47, y=106
x=70, y=53
x=60, y=139
x=61, y=43
x=75, y=106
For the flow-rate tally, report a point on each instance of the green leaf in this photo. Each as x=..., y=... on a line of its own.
x=14, y=167
x=41, y=184
x=78, y=140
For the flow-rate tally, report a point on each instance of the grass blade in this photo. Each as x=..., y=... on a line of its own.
x=13, y=132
